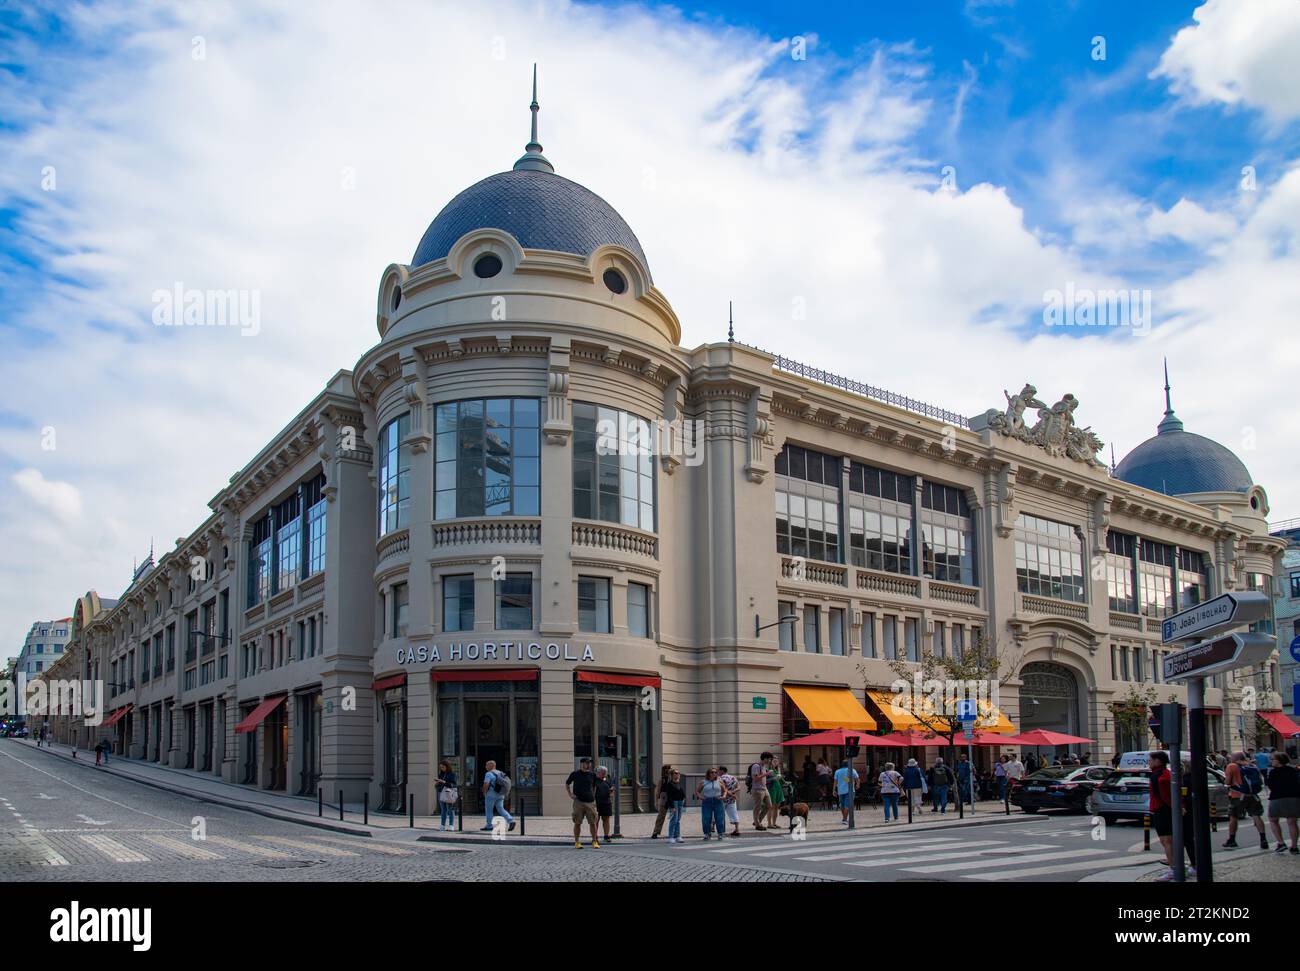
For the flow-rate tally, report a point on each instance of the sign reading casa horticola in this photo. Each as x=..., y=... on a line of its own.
x=1055, y=430
x=489, y=651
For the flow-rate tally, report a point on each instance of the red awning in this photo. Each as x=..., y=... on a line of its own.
x=114, y=718
x=1280, y=722
x=522, y=674
x=254, y=717
x=392, y=681
x=634, y=680
x=1214, y=711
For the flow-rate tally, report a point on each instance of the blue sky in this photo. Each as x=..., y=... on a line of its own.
x=310, y=145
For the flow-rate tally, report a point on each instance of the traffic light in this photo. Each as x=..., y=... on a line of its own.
x=851, y=746
x=1166, y=723
x=609, y=745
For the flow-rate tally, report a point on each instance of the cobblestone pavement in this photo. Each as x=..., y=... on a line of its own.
x=66, y=822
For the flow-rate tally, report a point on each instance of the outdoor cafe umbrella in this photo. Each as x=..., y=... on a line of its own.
x=912, y=738
x=1041, y=738
x=834, y=738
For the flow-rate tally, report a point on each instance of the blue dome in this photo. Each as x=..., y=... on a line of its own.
x=540, y=209
x=1177, y=462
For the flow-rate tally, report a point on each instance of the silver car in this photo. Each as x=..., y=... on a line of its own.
x=1126, y=794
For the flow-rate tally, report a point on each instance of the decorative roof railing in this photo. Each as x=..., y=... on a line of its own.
x=791, y=366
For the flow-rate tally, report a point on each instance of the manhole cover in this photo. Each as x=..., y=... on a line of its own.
x=285, y=864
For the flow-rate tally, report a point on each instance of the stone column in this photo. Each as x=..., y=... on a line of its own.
x=556, y=697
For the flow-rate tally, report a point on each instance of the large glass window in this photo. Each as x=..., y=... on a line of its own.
x=458, y=603
x=515, y=602
x=487, y=458
x=638, y=610
x=1263, y=583
x=889, y=631
x=808, y=504
x=288, y=542
x=400, y=599
x=785, y=632
x=812, y=640
x=1121, y=549
x=880, y=519
x=613, y=467
x=947, y=534
x=593, y=605
x=911, y=638
x=314, y=502
x=1193, y=578
x=260, y=567
x=1049, y=559
x=394, y=475
x=1156, y=578
x=837, y=631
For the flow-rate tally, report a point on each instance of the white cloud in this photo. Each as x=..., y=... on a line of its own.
x=62, y=500
x=1189, y=222
x=1239, y=52
x=746, y=176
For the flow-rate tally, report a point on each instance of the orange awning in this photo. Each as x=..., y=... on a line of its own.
x=114, y=718
x=255, y=717
x=1280, y=722
x=826, y=707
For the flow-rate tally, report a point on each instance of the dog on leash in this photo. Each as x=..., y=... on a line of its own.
x=798, y=810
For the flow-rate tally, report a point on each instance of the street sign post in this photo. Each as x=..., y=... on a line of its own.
x=1295, y=649
x=1220, y=613
x=967, y=712
x=1225, y=653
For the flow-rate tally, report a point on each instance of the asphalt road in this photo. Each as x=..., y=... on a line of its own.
x=61, y=821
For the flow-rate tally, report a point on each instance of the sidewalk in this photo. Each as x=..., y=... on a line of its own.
x=535, y=830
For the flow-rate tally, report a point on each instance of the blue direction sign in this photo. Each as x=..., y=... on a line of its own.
x=1295, y=649
x=967, y=710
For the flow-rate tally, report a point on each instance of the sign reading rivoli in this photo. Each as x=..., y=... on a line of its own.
x=489, y=651
x=1224, y=653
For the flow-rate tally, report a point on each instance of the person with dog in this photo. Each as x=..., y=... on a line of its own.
x=844, y=791
x=775, y=792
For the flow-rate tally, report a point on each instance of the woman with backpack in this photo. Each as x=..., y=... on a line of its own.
x=447, y=796
x=891, y=784
x=1244, y=785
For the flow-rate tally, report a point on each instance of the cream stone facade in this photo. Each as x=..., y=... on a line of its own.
x=442, y=557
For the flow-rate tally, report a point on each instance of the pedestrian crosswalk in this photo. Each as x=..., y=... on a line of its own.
x=28, y=847
x=986, y=855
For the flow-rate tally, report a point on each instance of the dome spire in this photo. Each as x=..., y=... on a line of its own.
x=1170, y=423
x=533, y=160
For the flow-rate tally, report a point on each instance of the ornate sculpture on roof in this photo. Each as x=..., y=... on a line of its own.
x=1055, y=431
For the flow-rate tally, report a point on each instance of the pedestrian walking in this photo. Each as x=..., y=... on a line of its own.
x=1245, y=782
x=448, y=793
x=846, y=786
x=1284, y=802
x=914, y=783
x=1000, y=775
x=824, y=779
x=604, y=800
x=1015, y=769
x=99, y=752
x=940, y=780
x=496, y=786
x=759, y=773
x=1160, y=805
x=661, y=800
x=730, y=799
x=676, y=797
x=891, y=784
x=712, y=815
x=581, y=787
x=965, y=791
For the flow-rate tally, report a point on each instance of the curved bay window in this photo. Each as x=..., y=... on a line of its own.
x=1049, y=559
x=880, y=519
x=947, y=534
x=487, y=458
x=600, y=710
x=613, y=467
x=497, y=720
x=394, y=475
x=1263, y=583
x=808, y=504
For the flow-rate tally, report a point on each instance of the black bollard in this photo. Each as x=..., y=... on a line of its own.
x=909, y=804
x=411, y=800
x=320, y=801
x=365, y=808
x=523, y=816
x=460, y=815
x=340, y=805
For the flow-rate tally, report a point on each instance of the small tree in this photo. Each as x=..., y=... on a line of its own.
x=1132, y=712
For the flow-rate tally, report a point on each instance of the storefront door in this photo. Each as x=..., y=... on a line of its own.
x=189, y=737
x=205, y=738
x=613, y=710
x=394, y=715
x=499, y=722
x=309, y=714
x=276, y=727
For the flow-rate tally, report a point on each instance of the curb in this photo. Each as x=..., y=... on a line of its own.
x=218, y=801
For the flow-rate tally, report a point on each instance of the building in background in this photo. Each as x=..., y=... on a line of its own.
x=44, y=645
x=1288, y=611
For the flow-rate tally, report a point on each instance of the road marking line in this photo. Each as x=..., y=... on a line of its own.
x=945, y=853
x=302, y=845
x=849, y=849
x=839, y=842
x=114, y=850
x=363, y=845
x=183, y=848
x=1003, y=860
x=253, y=848
x=1097, y=864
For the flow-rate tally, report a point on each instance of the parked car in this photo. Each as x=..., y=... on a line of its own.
x=1126, y=792
x=1057, y=787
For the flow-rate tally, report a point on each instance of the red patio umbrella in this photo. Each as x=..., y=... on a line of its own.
x=835, y=738
x=912, y=738
x=1043, y=738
